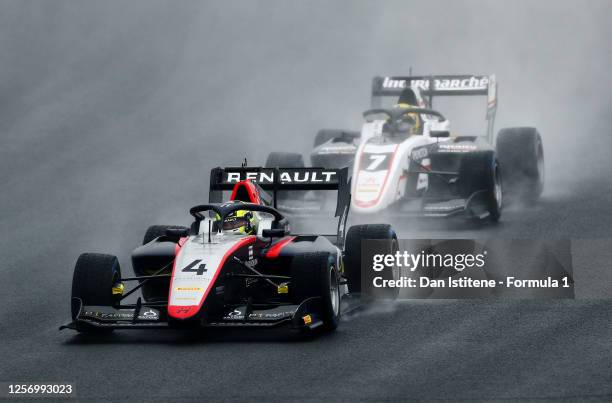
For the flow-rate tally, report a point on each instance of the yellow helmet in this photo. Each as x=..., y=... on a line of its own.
x=417, y=128
x=240, y=222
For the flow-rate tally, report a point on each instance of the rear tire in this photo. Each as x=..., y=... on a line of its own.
x=521, y=156
x=94, y=276
x=155, y=231
x=316, y=275
x=496, y=192
x=353, y=256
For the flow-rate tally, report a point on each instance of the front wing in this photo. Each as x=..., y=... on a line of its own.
x=474, y=206
x=305, y=316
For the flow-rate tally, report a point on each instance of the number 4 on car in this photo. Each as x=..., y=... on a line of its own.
x=236, y=265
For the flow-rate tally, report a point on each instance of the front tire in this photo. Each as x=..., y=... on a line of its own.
x=316, y=275
x=94, y=277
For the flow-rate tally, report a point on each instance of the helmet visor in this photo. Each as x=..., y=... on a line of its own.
x=231, y=223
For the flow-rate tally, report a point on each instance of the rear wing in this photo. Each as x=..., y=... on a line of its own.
x=283, y=179
x=444, y=85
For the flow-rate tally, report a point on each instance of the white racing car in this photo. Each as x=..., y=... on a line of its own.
x=406, y=160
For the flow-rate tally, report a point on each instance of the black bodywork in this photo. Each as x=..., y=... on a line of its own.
x=459, y=179
x=253, y=287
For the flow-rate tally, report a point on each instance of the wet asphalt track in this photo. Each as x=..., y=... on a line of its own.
x=92, y=154
x=481, y=349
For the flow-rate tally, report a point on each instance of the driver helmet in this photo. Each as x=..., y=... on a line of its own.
x=242, y=222
x=408, y=99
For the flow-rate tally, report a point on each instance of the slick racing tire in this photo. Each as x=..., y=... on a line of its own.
x=155, y=231
x=353, y=256
x=94, y=277
x=521, y=157
x=480, y=181
x=316, y=275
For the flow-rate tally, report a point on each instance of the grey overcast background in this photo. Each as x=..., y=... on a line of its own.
x=113, y=112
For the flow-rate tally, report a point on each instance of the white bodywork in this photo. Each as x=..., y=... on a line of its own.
x=203, y=260
x=188, y=288
x=379, y=172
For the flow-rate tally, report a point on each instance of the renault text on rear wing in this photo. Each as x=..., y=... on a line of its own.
x=279, y=178
x=283, y=179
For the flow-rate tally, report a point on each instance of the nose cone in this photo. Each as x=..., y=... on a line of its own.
x=368, y=191
x=182, y=312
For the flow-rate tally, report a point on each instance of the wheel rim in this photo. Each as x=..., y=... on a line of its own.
x=116, y=279
x=540, y=164
x=498, y=194
x=334, y=293
x=395, y=272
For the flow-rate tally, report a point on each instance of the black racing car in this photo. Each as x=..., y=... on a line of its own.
x=236, y=265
